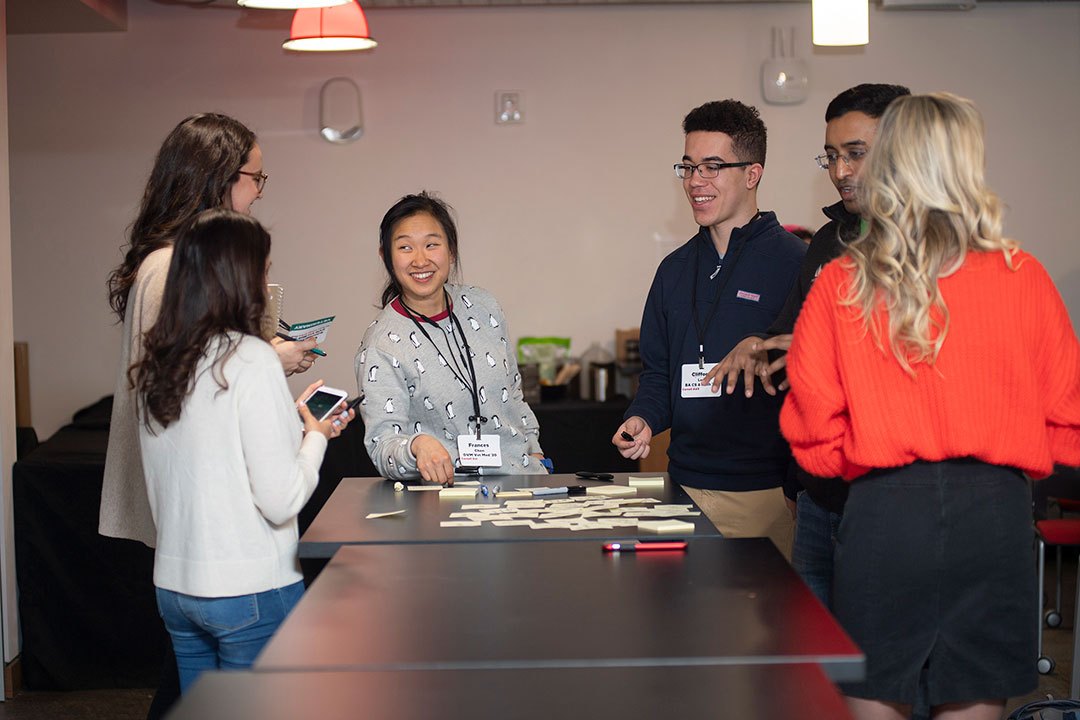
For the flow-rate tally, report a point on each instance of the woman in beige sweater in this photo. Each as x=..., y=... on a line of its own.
x=207, y=161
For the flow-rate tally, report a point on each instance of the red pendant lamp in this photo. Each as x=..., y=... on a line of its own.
x=331, y=29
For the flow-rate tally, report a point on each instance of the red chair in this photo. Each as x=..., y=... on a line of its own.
x=1059, y=532
x=1053, y=615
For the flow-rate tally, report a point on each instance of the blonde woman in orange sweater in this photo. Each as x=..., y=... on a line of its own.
x=934, y=366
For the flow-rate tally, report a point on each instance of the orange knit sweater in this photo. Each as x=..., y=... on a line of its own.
x=1005, y=388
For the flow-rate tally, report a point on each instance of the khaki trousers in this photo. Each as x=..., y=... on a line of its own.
x=754, y=513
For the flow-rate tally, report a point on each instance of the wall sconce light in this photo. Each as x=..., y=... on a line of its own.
x=334, y=29
x=784, y=77
x=339, y=99
x=288, y=4
x=841, y=22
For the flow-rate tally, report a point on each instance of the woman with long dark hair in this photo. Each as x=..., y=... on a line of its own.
x=207, y=161
x=228, y=462
x=436, y=366
x=933, y=366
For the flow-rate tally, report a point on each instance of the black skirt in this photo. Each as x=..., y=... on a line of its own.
x=935, y=567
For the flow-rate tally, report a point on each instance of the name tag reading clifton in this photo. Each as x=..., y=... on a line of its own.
x=484, y=452
x=692, y=375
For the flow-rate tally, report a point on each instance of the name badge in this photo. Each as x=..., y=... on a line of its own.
x=692, y=376
x=484, y=452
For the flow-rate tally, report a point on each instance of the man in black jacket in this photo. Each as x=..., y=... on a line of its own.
x=850, y=126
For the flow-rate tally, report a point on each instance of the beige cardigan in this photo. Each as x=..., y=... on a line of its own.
x=125, y=509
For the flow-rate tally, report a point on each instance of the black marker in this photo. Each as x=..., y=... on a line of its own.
x=627, y=436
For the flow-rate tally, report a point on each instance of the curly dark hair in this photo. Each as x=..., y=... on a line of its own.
x=740, y=122
x=194, y=170
x=871, y=99
x=403, y=209
x=215, y=290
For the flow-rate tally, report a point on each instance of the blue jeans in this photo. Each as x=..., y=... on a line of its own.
x=228, y=632
x=815, y=545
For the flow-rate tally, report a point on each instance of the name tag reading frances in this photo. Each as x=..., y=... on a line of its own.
x=692, y=376
x=484, y=452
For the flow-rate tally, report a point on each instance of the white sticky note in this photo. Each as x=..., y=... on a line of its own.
x=665, y=526
x=458, y=492
x=610, y=490
x=645, y=481
x=372, y=516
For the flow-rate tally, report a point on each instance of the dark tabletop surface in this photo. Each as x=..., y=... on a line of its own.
x=747, y=691
x=343, y=519
x=559, y=605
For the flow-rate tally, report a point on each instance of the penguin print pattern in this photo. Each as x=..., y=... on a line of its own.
x=404, y=399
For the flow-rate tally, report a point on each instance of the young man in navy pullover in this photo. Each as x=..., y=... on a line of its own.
x=729, y=281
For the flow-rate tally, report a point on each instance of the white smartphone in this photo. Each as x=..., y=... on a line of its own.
x=324, y=401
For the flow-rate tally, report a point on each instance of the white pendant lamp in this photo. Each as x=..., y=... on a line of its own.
x=288, y=4
x=841, y=22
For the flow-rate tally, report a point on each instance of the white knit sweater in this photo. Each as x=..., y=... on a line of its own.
x=228, y=478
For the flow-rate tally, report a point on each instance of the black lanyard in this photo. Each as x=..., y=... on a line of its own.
x=458, y=371
x=724, y=277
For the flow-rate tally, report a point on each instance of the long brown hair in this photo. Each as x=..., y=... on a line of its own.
x=196, y=166
x=215, y=291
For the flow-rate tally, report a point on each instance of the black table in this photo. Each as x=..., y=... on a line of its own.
x=343, y=519
x=558, y=605
x=747, y=691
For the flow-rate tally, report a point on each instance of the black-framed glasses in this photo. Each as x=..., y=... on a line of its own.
x=830, y=159
x=705, y=170
x=260, y=178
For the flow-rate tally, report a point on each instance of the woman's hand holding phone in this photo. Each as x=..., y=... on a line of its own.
x=332, y=421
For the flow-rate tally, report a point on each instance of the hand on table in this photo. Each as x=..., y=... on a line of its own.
x=432, y=460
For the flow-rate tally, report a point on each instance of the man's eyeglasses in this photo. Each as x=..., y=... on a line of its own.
x=706, y=170
x=830, y=159
x=260, y=178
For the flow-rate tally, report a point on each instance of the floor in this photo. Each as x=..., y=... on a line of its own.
x=133, y=704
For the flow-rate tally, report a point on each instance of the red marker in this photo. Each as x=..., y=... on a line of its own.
x=668, y=546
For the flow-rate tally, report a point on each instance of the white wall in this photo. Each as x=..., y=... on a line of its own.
x=9, y=619
x=564, y=217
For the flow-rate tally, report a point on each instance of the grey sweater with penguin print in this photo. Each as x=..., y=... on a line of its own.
x=411, y=386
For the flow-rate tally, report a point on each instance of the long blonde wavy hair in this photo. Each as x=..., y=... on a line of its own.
x=925, y=198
